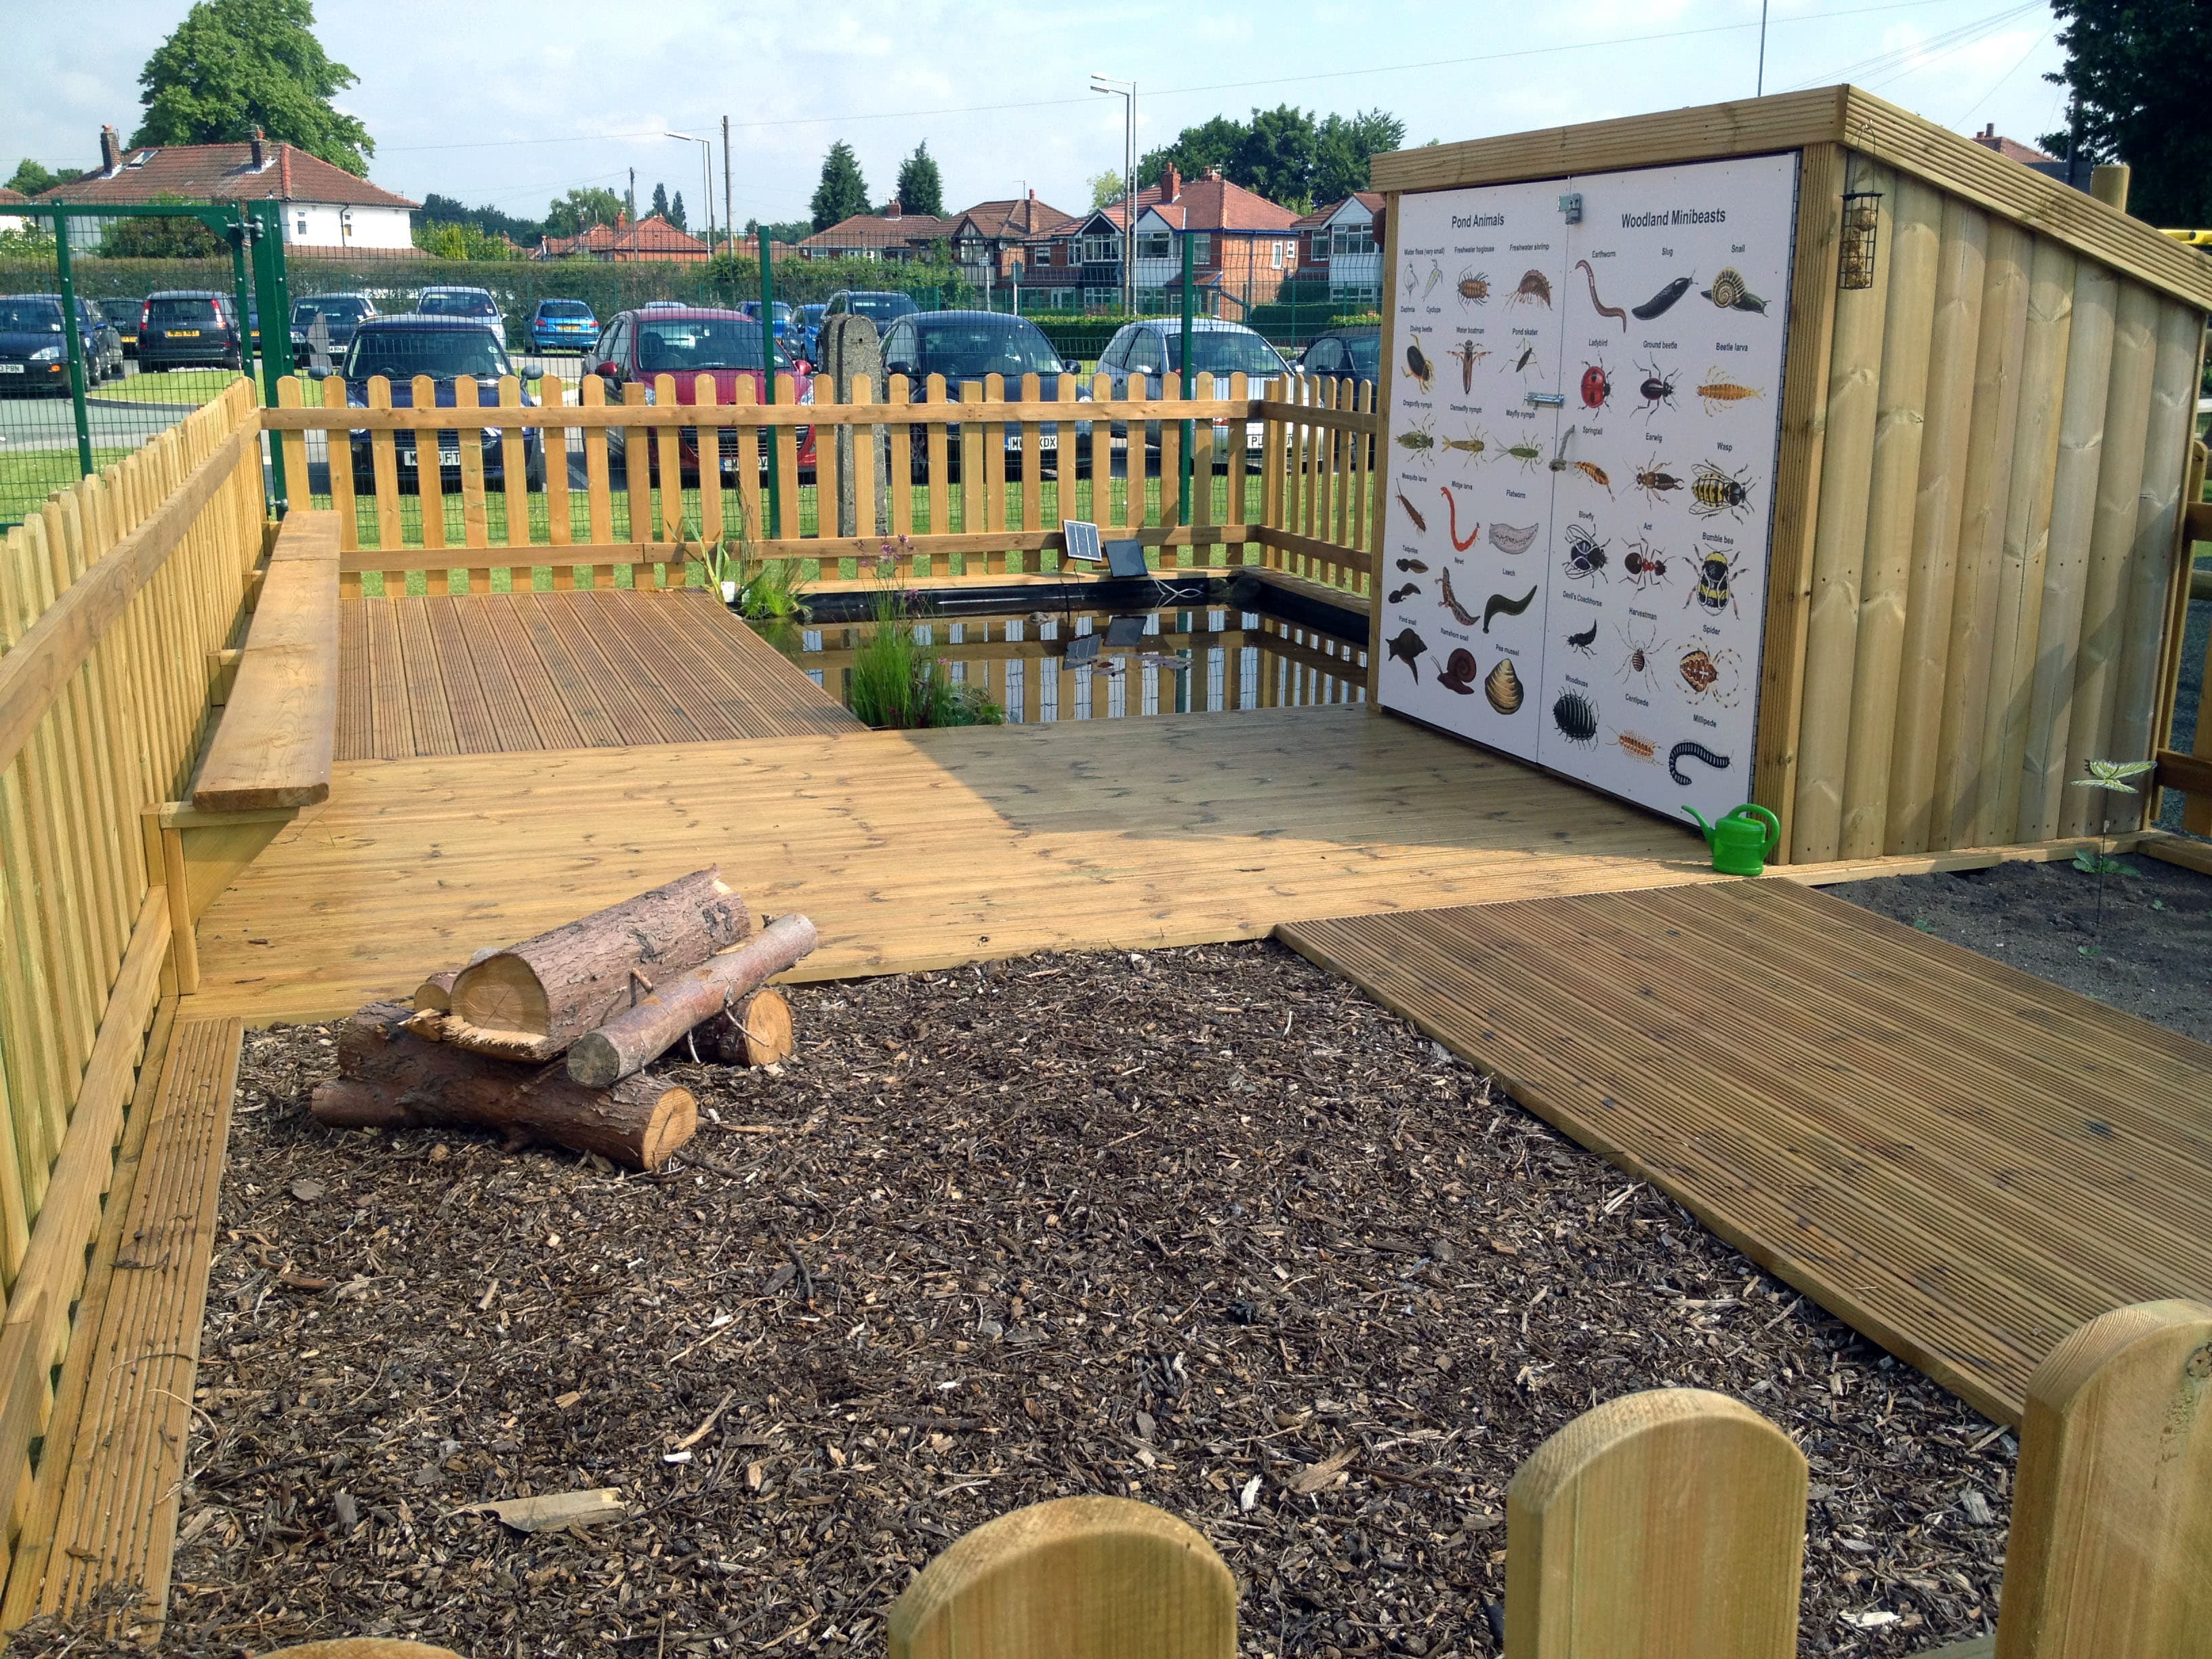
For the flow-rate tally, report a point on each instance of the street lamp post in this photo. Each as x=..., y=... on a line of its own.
x=706, y=180
x=1127, y=92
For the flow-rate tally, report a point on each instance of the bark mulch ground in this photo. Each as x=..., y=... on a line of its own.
x=1180, y=1227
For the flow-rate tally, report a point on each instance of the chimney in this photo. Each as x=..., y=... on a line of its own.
x=1990, y=131
x=893, y=210
x=1170, y=183
x=111, y=150
x=260, y=154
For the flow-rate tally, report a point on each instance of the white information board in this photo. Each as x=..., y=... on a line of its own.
x=1585, y=420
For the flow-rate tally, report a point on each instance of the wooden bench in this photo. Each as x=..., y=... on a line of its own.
x=268, y=752
x=103, y=1507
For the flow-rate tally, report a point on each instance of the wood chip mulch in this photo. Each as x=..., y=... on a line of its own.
x=1202, y=1227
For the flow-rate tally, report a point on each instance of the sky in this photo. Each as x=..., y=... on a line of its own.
x=514, y=102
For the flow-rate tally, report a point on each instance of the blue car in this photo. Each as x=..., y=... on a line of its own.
x=562, y=325
x=446, y=349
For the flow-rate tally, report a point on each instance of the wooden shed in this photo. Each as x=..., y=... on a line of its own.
x=1870, y=513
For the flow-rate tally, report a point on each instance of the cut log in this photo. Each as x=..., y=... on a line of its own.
x=754, y=1032
x=435, y=994
x=555, y=987
x=390, y=1078
x=635, y=1038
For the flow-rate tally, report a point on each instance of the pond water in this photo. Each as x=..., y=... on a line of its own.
x=1045, y=665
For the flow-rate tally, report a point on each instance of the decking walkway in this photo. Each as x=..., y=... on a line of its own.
x=491, y=673
x=1960, y=1160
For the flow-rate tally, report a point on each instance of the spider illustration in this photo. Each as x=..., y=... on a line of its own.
x=1639, y=662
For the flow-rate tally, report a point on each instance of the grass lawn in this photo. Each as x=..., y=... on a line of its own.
x=195, y=387
x=29, y=477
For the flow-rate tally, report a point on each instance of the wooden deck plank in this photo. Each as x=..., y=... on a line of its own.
x=391, y=730
x=1960, y=1161
x=118, y=1515
x=357, y=738
x=474, y=731
x=429, y=712
x=547, y=719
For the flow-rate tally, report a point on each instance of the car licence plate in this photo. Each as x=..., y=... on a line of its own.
x=11, y=369
x=1045, y=441
x=184, y=334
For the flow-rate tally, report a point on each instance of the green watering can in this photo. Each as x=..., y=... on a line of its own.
x=1741, y=840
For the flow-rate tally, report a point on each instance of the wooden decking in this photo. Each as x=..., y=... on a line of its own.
x=489, y=674
x=1962, y=1161
x=915, y=851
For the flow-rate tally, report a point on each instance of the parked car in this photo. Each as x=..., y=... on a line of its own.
x=964, y=346
x=1349, y=353
x=1142, y=354
x=880, y=306
x=34, y=350
x=790, y=333
x=474, y=304
x=563, y=326
x=448, y=349
x=691, y=343
x=179, y=328
x=124, y=314
x=342, y=314
x=810, y=325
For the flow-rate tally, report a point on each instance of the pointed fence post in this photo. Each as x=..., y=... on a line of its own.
x=1663, y=1525
x=1076, y=1578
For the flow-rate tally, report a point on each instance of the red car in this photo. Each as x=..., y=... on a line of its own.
x=692, y=344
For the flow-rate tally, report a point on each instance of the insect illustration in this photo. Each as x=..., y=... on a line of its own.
x=1499, y=605
x=1691, y=751
x=1583, y=641
x=1450, y=600
x=1473, y=443
x=1401, y=593
x=1664, y=299
x=1468, y=355
x=1585, y=555
x=1473, y=286
x=1412, y=511
x=1510, y=540
x=1595, y=474
x=1413, y=567
x=1521, y=363
x=1716, y=586
x=1710, y=675
x=1527, y=454
x=1657, y=391
x=1535, y=285
x=1451, y=507
x=1418, y=438
x=1718, y=391
x=1714, y=492
x=1643, y=566
x=1656, y=481
x=1636, y=748
x=1418, y=366
x=1413, y=280
x=1728, y=293
x=1575, y=716
x=1435, y=275
x=1597, y=385
x=1640, y=659
x=1596, y=304
x=1407, y=649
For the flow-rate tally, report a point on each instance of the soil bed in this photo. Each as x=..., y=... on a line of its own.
x=1176, y=1226
x=2144, y=947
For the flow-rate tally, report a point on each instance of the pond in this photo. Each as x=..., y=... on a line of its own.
x=1041, y=665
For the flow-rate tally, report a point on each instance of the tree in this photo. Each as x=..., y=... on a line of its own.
x=1282, y=154
x=579, y=209
x=33, y=179
x=234, y=65
x=181, y=238
x=780, y=230
x=676, y=211
x=1106, y=190
x=1275, y=158
x=1344, y=149
x=660, y=200
x=449, y=209
x=458, y=240
x=920, y=186
x=842, y=193
x=2140, y=72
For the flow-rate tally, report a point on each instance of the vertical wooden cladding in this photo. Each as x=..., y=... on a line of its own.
x=1996, y=495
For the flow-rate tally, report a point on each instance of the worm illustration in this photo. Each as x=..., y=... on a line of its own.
x=1451, y=507
x=1596, y=304
x=1499, y=603
x=1693, y=751
x=1512, y=538
x=1464, y=616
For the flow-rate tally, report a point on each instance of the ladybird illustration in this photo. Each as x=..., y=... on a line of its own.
x=1597, y=386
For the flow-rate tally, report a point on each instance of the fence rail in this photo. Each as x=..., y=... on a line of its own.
x=114, y=598
x=941, y=484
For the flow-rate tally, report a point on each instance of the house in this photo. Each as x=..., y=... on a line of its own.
x=326, y=209
x=1076, y=265
x=989, y=240
x=652, y=238
x=14, y=220
x=2075, y=173
x=891, y=234
x=1243, y=245
x=1341, y=244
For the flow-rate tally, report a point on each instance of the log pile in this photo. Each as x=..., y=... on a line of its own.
x=546, y=1041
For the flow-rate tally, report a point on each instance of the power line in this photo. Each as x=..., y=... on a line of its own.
x=1975, y=109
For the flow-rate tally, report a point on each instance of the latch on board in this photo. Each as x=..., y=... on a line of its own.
x=1547, y=399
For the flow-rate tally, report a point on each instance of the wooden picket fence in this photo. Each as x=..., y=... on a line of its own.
x=115, y=599
x=1671, y=1525
x=1302, y=506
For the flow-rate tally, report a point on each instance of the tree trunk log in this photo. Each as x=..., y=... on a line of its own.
x=435, y=993
x=391, y=1079
x=754, y=1032
x=635, y=1038
x=550, y=990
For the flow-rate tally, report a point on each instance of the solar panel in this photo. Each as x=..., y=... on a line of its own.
x=1082, y=538
x=1125, y=559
